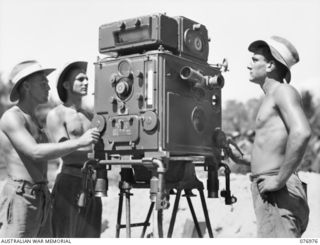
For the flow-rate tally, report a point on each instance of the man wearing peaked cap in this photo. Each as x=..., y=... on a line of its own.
x=281, y=136
x=66, y=122
x=25, y=205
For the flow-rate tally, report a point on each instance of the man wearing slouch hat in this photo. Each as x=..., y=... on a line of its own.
x=68, y=121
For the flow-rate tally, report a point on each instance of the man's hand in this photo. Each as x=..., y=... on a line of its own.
x=268, y=183
x=238, y=157
x=90, y=136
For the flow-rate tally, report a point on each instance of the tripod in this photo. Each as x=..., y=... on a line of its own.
x=187, y=183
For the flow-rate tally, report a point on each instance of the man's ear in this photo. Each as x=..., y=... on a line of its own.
x=271, y=65
x=25, y=85
x=66, y=85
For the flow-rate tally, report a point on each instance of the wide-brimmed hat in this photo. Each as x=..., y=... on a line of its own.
x=82, y=65
x=23, y=70
x=281, y=49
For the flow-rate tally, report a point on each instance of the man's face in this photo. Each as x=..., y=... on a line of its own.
x=258, y=67
x=38, y=87
x=79, y=83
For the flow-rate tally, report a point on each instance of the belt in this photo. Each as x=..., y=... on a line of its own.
x=24, y=186
x=268, y=173
x=72, y=170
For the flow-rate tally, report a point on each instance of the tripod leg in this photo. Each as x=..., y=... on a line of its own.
x=174, y=213
x=160, y=222
x=146, y=223
x=128, y=218
x=206, y=215
x=194, y=217
x=119, y=214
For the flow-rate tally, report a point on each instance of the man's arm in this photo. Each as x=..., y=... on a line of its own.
x=288, y=103
x=245, y=159
x=299, y=132
x=13, y=126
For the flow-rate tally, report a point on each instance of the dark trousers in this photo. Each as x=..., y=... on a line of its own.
x=67, y=219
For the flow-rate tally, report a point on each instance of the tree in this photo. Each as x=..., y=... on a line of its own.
x=307, y=103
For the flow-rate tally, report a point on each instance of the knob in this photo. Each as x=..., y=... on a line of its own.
x=139, y=97
x=122, y=88
x=139, y=74
x=113, y=100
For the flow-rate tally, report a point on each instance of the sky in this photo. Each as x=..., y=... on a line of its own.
x=58, y=31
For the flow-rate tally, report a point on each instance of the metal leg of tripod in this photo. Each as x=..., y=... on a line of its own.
x=118, y=227
x=174, y=213
x=194, y=217
x=146, y=222
x=128, y=214
x=205, y=211
x=124, y=191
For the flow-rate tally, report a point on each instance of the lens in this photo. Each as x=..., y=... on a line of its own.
x=124, y=68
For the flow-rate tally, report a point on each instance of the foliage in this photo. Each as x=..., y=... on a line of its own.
x=240, y=117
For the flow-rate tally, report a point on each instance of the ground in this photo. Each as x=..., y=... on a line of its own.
x=227, y=221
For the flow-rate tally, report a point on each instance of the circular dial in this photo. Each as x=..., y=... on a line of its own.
x=193, y=40
x=123, y=88
x=198, y=43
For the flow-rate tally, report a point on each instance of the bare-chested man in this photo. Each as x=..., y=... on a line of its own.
x=282, y=134
x=69, y=121
x=25, y=198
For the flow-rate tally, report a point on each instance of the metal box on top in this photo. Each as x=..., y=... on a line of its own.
x=139, y=34
x=180, y=35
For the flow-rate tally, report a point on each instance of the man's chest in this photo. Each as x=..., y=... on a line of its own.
x=76, y=123
x=37, y=133
x=267, y=113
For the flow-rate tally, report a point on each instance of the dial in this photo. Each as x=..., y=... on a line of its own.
x=198, y=43
x=194, y=41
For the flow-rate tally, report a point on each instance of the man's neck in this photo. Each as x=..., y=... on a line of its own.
x=269, y=85
x=27, y=107
x=74, y=102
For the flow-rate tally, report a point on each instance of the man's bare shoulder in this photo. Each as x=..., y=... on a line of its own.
x=286, y=93
x=11, y=118
x=56, y=116
x=58, y=111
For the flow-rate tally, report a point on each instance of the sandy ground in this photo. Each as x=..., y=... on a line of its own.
x=227, y=221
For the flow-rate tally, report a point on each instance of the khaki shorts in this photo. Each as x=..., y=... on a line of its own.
x=25, y=210
x=283, y=213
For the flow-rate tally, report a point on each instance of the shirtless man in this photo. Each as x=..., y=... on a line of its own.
x=25, y=198
x=65, y=122
x=282, y=134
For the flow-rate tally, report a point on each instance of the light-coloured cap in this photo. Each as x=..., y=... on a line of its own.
x=281, y=49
